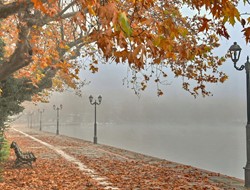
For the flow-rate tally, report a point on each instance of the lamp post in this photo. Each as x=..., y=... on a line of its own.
x=28, y=116
x=30, y=119
x=95, y=103
x=57, y=123
x=41, y=113
x=235, y=51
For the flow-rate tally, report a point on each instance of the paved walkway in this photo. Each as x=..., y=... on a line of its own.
x=67, y=163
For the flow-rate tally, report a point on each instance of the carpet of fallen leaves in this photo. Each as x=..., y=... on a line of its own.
x=125, y=170
x=49, y=172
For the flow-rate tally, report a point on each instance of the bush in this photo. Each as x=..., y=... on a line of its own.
x=4, y=152
x=4, y=149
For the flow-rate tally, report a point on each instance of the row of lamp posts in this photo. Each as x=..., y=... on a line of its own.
x=58, y=108
x=235, y=51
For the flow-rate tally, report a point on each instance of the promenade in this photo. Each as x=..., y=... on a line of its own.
x=65, y=163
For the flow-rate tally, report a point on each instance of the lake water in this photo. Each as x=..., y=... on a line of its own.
x=215, y=148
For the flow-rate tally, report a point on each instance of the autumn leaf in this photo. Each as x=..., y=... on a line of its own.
x=243, y=22
x=159, y=92
x=91, y=11
x=124, y=23
x=246, y=32
x=205, y=25
x=222, y=31
x=39, y=5
x=93, y=69
x=223, y=78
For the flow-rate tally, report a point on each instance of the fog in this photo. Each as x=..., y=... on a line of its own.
x=208, y=133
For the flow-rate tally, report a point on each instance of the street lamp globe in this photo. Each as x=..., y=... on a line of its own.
x=235, y=51
x=100, y=98
x=91, y=98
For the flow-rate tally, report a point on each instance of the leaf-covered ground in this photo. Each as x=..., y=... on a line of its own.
x=123, y=169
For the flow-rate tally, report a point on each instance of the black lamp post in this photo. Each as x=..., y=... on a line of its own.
x=95, y=125
x=235, y=51
x=41, y=113
x=57, y=123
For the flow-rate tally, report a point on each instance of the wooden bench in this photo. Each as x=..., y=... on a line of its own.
x=22, y=158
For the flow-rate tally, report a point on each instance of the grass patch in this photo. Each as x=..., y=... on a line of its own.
x=4, y=152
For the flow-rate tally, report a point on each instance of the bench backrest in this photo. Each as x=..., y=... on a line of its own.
x=16, y=148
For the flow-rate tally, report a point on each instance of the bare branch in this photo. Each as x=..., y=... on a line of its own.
x=65, y=9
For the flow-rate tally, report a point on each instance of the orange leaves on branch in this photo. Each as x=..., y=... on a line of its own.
x=225, y=10
x=205, y=24
x=222, y=31
x=39, y=5
x=93, y=69
x=91, y=10
x=230, y=13
x=50, y=9
x=246, y=32
x=57, y=83
x=23, y=73
x=223, y=78
x=142, y=34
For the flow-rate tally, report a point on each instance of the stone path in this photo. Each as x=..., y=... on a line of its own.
x=101, y=180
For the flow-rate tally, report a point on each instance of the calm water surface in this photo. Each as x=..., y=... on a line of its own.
x=215, y=148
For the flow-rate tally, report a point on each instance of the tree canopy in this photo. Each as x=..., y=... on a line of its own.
x=51, y=38
x=14, y=92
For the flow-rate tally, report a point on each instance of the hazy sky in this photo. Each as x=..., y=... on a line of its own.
x=121, y=104
x=119, y=101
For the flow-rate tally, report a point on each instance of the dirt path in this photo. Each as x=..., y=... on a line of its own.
x=67, y=163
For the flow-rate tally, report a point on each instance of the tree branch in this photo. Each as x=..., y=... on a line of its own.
x=41, y=21
x=65, y=9
x=12, y=8
x=21, y=57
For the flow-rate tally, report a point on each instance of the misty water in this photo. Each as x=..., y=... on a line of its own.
x=208, y=147
x=207, y=133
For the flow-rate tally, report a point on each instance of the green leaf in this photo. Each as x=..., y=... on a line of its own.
x=123, y=21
